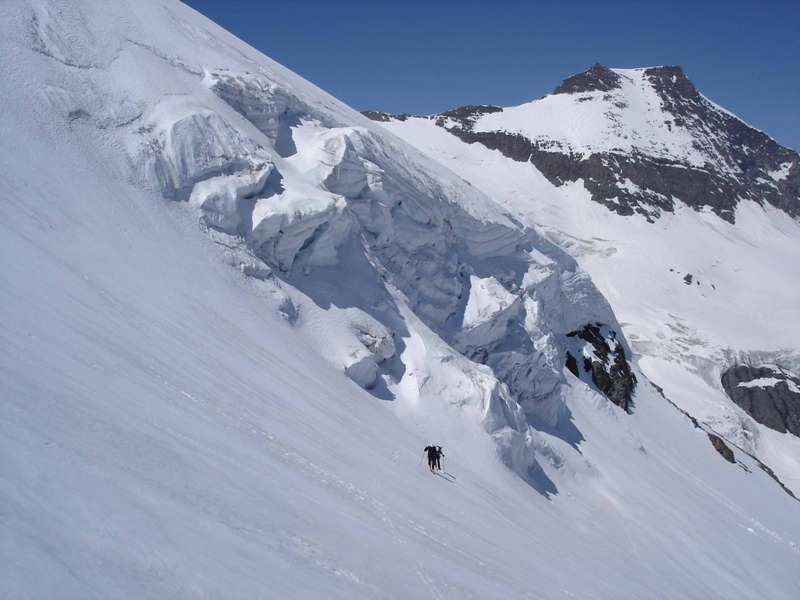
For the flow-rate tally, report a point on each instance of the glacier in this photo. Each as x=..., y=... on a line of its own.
x=234, y=312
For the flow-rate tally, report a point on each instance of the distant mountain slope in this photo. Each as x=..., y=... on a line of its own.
x=685, y=216
x=640, y=140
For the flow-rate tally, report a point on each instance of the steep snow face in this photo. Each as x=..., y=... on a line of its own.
x=241, y=406
x=320, y=202
x=695, y=293
x=304, y=192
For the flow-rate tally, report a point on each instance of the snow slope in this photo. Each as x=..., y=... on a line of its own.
x=183, y=408
x=693, y=292
x=598, y=121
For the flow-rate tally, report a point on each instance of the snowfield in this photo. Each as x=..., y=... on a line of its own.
x=232, y=313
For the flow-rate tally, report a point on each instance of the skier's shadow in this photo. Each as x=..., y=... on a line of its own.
x=446, y=476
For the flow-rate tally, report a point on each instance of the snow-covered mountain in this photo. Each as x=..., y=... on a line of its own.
x=685, y=216
x=640, y=140
x=234, y=311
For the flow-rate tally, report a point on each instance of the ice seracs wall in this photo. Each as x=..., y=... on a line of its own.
x=338, y=213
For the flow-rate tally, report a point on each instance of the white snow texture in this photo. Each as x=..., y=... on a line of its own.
x=233, y=311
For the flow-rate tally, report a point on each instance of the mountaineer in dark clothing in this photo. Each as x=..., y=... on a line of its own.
x=434, y=457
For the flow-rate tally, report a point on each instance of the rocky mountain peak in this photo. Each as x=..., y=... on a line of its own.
x=671, y=80
x=647, y=142
x=597, y=78
x=668, y=80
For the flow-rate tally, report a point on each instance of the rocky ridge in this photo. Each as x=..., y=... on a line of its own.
x=597, y=355
x=632, y=173
x=769, y=394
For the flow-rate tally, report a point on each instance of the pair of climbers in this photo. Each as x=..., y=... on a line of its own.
x=435, y=455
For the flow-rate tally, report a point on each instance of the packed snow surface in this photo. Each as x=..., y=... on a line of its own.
x=233, y=312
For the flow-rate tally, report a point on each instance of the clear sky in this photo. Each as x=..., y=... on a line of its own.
x=427, y=56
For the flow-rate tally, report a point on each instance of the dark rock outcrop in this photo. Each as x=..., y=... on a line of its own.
x=572, y=365
x=599, y=78
x=377, y=115
x=770, y=395
x=721, y=447
x=605, y=363
x=467, y=114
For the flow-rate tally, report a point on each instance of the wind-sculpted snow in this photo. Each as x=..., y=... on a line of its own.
x=221, y=199
x=273, y=110
x=183, y=144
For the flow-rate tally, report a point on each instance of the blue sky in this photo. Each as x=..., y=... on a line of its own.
x=425, y=57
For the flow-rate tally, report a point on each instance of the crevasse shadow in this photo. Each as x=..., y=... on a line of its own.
x=355, y=283
x=565, y=429
x=539, y=481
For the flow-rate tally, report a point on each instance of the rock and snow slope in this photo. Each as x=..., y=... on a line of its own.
x=641, y=141
x=685, y=217
x=233, y=312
